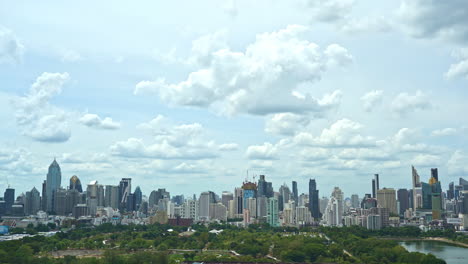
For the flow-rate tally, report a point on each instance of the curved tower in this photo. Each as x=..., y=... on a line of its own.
x=75, y=184
x=54, y=180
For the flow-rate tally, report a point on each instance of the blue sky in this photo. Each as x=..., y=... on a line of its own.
x=189, y=95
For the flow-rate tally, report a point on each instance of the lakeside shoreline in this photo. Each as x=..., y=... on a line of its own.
x=437, y=239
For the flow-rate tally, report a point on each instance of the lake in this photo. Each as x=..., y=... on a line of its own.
x=451, y=254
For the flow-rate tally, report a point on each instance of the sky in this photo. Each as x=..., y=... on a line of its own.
x=198, y=95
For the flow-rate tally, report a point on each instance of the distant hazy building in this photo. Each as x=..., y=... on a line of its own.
x=9, y=198
x=226, y=197
x=204, y=206
x=374, y=222
x=262, y=203
x=252, y=206
x=218, y=212
x=190, y=209
x=295, y=194
x=138, y=196
x=355, y=201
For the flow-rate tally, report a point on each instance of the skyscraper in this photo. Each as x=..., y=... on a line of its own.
x=374, y=188
x=75, y=184
x=451, y=191
x=272, y=212
x=376, y=177
x=355, y=201
x=249, y=190
x=435, y=174
x=333, y=215
x=314, y=199
x=204, y=206
x=125, y=188
x=294, y=192
x=54, y=180
x=386, y=198
x=33, y=202
x=9, y=197
x=138, y=196
x=403, y=200
x=226, y=197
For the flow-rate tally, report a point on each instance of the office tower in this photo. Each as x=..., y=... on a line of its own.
x=403, y=200
x=178, y=199
x=226, y=197
x=377, y=186
x=92, y=197
x=218, y=211
x=355, y=201
x=435, y=174
x=384, y=215
x=289, y=213
x=72, y=199
x=451, y=191
x=130, y=204
x=314, y=199
x=303, y=216
x=417, y=189
x=33, y=202
x=190, y=209
x=303, y=200
x=333, y=215
x=54, y=180
x=125, y=188
x=262, y=207
x=75, y=184
x=284, y=196
x=410, y=198
x=252, y=207
x=272, y=212
x=374, y=188
x=264, y=188
x=386, y=198
x=323, y=204
x=249, y=190
x=60, y=201
x=9, y=198
x=294, y=192
x=80, y=210
x=463, y=183
x=156, y=196
x=204, y=206
x=138, y=196
x=44, y=196
x=239, y=200
x=111, y=197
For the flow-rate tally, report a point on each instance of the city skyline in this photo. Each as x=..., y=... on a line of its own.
x=330, y=90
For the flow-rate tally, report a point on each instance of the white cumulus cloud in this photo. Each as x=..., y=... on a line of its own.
x=93, y=120
x=371, y=99
x=36, y=117
x=258, y=81
x=11, y=49
x=405, y=103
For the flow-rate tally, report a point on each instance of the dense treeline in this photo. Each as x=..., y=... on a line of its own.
x=258, y=243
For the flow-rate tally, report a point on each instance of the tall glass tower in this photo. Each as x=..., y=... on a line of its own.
x=54, y=180
x=314, y=199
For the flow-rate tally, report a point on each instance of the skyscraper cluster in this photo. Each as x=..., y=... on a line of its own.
x=250, y=202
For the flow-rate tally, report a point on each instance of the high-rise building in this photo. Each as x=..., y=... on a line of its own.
x=435, y=174
x=190, y=209
x=60, y=201
x=284, y=196
x=249, y=190
x=54, y=180
x=111, y=196
x=463, y=183
x=226, y=197
x=204, y=206
x=33, y=202
x=355, y=201
x=75, y=184
x=386, y=198
x=156, y=196
x=272, y=212
x=218, y=212
x=374, y=222
x=314, y=199
x=252, y=207
x=44, y=196
x=403, y=200
x=376, y=177
x=138, y=196
x=417, y=189
x=264, y=188
x=262, y=203
x=374, y=188
x=294, y=192
x=333, y=215
x=125, y=188
x=451, y=191
x=9, y=198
